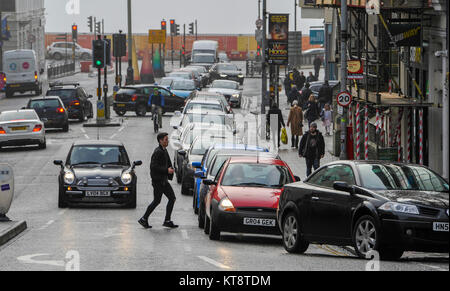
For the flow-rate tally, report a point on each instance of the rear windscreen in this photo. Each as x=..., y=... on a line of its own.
x=49, y=103
x=64, y=95
x=127, y=91
x=24, y=115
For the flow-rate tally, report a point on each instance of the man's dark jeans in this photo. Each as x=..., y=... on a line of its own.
x=159, y=190
x=310, y=163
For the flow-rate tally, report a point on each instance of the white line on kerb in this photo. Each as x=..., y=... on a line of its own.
x=212, y=262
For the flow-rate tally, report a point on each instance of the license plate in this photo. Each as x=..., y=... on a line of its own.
x=19, y=128
x=120, y=105
x=15, y=86
x=98, y=193
x=440, y=226
x=259, y=222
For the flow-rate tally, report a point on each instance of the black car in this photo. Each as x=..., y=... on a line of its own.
x=315, y=87
x=75, y=99
x=51, y=111
x=135, y=99
x=373, y=206
x=226, y=71
x=97, y=172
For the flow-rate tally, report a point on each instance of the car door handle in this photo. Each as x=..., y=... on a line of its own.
x=315, y=198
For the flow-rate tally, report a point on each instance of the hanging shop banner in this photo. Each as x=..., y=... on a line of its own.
x=316, y=36
x=406, y=34
x=278, y=53
x=355, y=70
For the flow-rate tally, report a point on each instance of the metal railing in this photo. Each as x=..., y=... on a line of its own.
x=60, y=70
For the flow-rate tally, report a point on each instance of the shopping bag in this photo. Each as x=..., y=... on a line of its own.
x=284, y=136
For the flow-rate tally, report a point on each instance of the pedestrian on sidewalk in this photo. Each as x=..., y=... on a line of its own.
x=325, y=94
x=312, y=148
x=306, y=92
x=312, y=110
x=276, y=122
x=295, y=122
x=294, y=95
x=327, y=116
x=301, y=81
x=311, y=78
x=288, y=82
x=317, y=64
x=161, y=172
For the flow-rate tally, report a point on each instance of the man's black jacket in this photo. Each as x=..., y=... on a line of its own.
x=160, y=165
x=304, y=143
x=325, y=94
x=276, y=111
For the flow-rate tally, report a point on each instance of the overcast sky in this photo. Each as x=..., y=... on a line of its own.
x=214, y=16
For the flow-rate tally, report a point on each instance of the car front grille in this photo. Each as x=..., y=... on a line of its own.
x=257, y=209
x=429, y=211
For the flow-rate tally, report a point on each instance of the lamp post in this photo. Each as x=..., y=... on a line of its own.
x=344, y=36
x=130, y=72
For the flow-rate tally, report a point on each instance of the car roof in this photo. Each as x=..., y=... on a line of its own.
x=238, y=147
x=205, y=101
x=98, y=143
x=240, y=153
x=205, y=112
x=207, y=94
x=198, y=125
x=225, y=81
x=262, y=159
x=45, y=98
x=371, y=162
x=18, y=111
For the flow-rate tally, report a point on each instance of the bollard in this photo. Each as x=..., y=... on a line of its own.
x=6, y=190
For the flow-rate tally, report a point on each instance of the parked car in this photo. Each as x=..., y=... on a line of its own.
x=76, y=100
x=22, y=72
x=135, y=99
x=229, y=89
x=373, y=206
x=97, y=172
x=59, y=51
x=227, y=71
x=208, y=167
x=51, y=111
x=315, y=87
x=244, y=196
x=20, y=128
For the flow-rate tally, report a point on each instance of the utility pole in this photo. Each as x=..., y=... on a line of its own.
x=344, y=37
x=264, y=65
x=130, y=72
x=1, y=42
x=295, y=16
x=196, y=30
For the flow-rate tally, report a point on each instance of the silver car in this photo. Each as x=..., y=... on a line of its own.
x=59, y=50
x=230, y=89
x=21, y=127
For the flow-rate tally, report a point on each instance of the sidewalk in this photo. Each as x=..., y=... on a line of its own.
x=11, y=229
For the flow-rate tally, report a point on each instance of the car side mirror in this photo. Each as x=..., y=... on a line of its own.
x=210, y=183
x=297, y=179
x=199, y=174
x=183, y=153
x=90, y=96
x=177, y=144
x=343, y=186
x=23, y=108
x=59, y=163
x=196, y=164
x=137, y=164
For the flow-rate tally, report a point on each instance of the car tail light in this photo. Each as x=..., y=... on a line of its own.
x=35, y=75
x=76, y=103
x=134, y=98
x=60, y=110
x=2, y=131
x=37, y=128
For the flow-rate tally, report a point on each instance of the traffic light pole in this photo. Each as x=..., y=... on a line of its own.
x=130, y=71
x=264, y=65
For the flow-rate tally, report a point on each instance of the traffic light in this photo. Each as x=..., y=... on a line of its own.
x=74, y=33
x=177, y=29
x=99, y=53
x=163, y=25
x=91, y=23
x=191, y=28
x=183, y=49
x=172, y=26
x=98, y=27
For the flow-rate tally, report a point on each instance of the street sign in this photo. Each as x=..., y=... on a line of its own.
x=157, y=36
x=316, y=36
x=355, y=70
x=344, y=99
x=100, y=110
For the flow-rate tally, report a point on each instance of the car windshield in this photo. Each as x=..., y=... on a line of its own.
x=210, y=59
x=201, y=145
x=203, y=106
x=225, y=85
x=256, y=175
x=65, y=95
x=401, y=177
x=199, y=69
x=44, y=103
x=166, y=82
x=227, y=67
x=183, y=85
x=185, y=76
x=212, y=119
x=21, y=115
x=104, y=155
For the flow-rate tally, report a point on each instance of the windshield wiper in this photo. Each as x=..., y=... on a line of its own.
x=112, y=164
x=86, y=163
x=250, y=184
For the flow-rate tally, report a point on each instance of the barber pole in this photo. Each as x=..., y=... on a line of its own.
x=377, y=122
x=366, y=133
x=383, y=132
x=358, y=132
x=408, y=146
x=421, y=136
x=390, y=140
x=399, y=135
x=350, y=116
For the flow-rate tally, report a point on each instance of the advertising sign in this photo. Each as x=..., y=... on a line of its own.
x=316, y=36
x=157, y=36
x=406, y=34
x=355, y=70
x=278, y=43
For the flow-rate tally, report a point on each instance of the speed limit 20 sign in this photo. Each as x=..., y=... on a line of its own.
x=344, y=99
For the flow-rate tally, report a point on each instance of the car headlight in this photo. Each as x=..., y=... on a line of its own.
x=223, y=75
x=241, y=76
x=69, y=178
x=236, y=95
x=226, y=205
x=399, y=207
x=126, y=178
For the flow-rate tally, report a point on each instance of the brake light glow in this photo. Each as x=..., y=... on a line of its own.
x=60, y=110
x=2, y=131
x=76, y=103
x=37, y=128
x=134, y=98
x=35, y=76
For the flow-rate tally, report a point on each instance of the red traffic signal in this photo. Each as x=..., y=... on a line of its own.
x=163, y=25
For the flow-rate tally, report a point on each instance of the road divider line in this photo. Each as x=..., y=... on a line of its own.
x=86, y=136
x=212, y=262
x=62, y=212
x=434, y=267
x=47, y=225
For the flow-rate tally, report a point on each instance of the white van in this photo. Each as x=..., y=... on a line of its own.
x=22, y=72
x=210, y=47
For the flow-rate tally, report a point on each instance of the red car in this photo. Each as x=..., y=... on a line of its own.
x=244, y=196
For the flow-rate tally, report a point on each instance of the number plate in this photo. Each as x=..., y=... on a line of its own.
x=120, y=105
x=440, y=226
x=19, y=128
x=98, y=193
x=259, y=222
x=15, y=86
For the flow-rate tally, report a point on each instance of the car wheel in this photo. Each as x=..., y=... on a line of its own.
x=65, y=127
x=91, y=112
x=206, y=226
x=141, y=110
x=201, y=217
x=292, y=238
x=61, y=199
x=184, y=188
x=9, y=93
x=178, y=177
x=82, y=117
x=214, y=230
x=365, y=236
x=57, y=56
x=43, y=145
x=121, y=113
x=194, y=202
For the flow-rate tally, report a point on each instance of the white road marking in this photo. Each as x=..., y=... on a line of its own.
x=83, y=130
x=29, y=259
x=62, y=212
x=184, y=234
x=47, y=225
x=113, y=136
x=212, y=262
x=434, y=267
x=86, y=136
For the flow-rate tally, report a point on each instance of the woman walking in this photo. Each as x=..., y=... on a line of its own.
x=295, y=122
x=313, y=110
